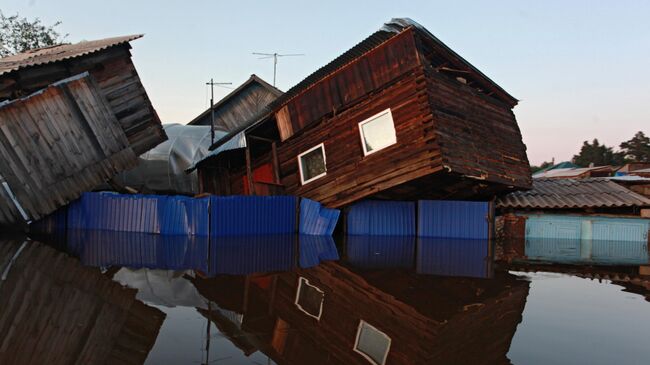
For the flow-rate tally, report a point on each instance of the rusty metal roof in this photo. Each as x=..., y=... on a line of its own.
x=389, y=30
x=42, y=56
x=573, y=193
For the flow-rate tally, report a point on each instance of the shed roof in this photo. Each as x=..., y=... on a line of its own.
x=45, y=55
x=389, y=30
x=569, y=172
x=232, y=95
x=573, y=193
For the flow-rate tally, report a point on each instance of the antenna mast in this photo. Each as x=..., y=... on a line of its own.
x=275, y=60
x=212, y=85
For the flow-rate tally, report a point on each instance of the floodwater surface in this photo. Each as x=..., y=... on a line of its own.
x=102, y=297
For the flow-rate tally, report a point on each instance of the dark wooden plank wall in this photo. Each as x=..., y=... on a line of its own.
x=119, y=81
x=478, y=135
x=349, y=84
x=58, y=143
x=350, y=174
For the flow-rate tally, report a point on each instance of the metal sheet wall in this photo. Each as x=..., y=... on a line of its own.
x=168, y=215
x=453, y=257
x=556, y=226
x=453, y=219
x=316, y=219
x=383, y=218
x=253, y=215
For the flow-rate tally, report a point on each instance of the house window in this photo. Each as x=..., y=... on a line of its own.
x=309, y=298
x=312, y=164
x=377, y=132
x=372, y=344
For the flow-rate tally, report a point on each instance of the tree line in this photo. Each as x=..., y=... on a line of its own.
x=637, y=149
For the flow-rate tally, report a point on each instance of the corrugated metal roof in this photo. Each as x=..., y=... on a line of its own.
x=387, y=31
x=573, y=193
x=569, y=172
x=42, y=56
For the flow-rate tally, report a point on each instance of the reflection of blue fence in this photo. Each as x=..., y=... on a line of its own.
x=587, y=251
x=381, y=251
x=184, y=216
x=453, y=257
x=316, y=249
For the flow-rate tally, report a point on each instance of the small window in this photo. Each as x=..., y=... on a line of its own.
x=309, y=298
x=312, y=164
x=377, y=132
x=372, y=344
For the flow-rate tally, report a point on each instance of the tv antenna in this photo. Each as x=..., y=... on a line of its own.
x=275, y=59
x=212, y=85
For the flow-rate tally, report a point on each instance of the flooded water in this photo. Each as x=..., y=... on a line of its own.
x=102, y=297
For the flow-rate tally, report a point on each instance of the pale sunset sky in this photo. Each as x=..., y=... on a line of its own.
x=579, y=68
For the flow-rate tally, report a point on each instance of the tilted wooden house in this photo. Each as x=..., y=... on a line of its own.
x=109, y=62
x=398, y=116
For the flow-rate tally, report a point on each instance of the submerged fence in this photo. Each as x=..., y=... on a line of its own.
x=184, y=216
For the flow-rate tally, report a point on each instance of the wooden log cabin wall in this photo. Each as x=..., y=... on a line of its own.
x=109, y=62
x=454, y=135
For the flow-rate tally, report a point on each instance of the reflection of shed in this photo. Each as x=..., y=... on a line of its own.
x=400, y=115
x=580, y=209
x=55, y=311
x=162, y=169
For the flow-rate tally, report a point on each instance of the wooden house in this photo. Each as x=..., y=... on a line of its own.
x=109, y=62
x=398, y=116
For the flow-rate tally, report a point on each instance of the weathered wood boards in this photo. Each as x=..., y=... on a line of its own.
x=109, y=62
x=56, y=144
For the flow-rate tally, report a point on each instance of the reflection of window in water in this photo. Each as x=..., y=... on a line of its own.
x=312, y=164
x=377, y=132
x=372, y=344
x=309, y=298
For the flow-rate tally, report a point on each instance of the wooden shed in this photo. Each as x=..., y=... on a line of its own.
x=398, y=116
x=109, y=62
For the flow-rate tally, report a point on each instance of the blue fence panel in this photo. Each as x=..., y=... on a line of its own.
x=252, y=215
x=242, y=255
x=137, y=213
x=382, y=218
x=453, y=219
x=316, y=219
x=453, y=257
x=381, y=251
x=316, y=249
x=181, y=215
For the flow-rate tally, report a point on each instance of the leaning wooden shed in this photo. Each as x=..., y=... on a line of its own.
x=109, y=62
x=56, y=144
x=398, y=116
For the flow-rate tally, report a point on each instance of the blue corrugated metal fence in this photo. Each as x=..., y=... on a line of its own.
x=316, y=219
x=453, y=219
x=382, y=218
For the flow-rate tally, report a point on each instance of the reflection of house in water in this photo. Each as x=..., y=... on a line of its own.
x=55, y=311
x=333, y=313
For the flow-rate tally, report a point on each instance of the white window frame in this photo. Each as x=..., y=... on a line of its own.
x=302, y=176
x=302, y=280
x=368, y=120
x=356, y=343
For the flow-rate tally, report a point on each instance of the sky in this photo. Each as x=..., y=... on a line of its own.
x=579, y=68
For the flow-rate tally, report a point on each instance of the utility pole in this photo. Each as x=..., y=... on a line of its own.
x=275, y=59
x=212, y=85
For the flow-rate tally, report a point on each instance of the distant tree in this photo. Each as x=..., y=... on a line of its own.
x=637, y=149
x=20, y=34
x=544, y=165
x=598, y=154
